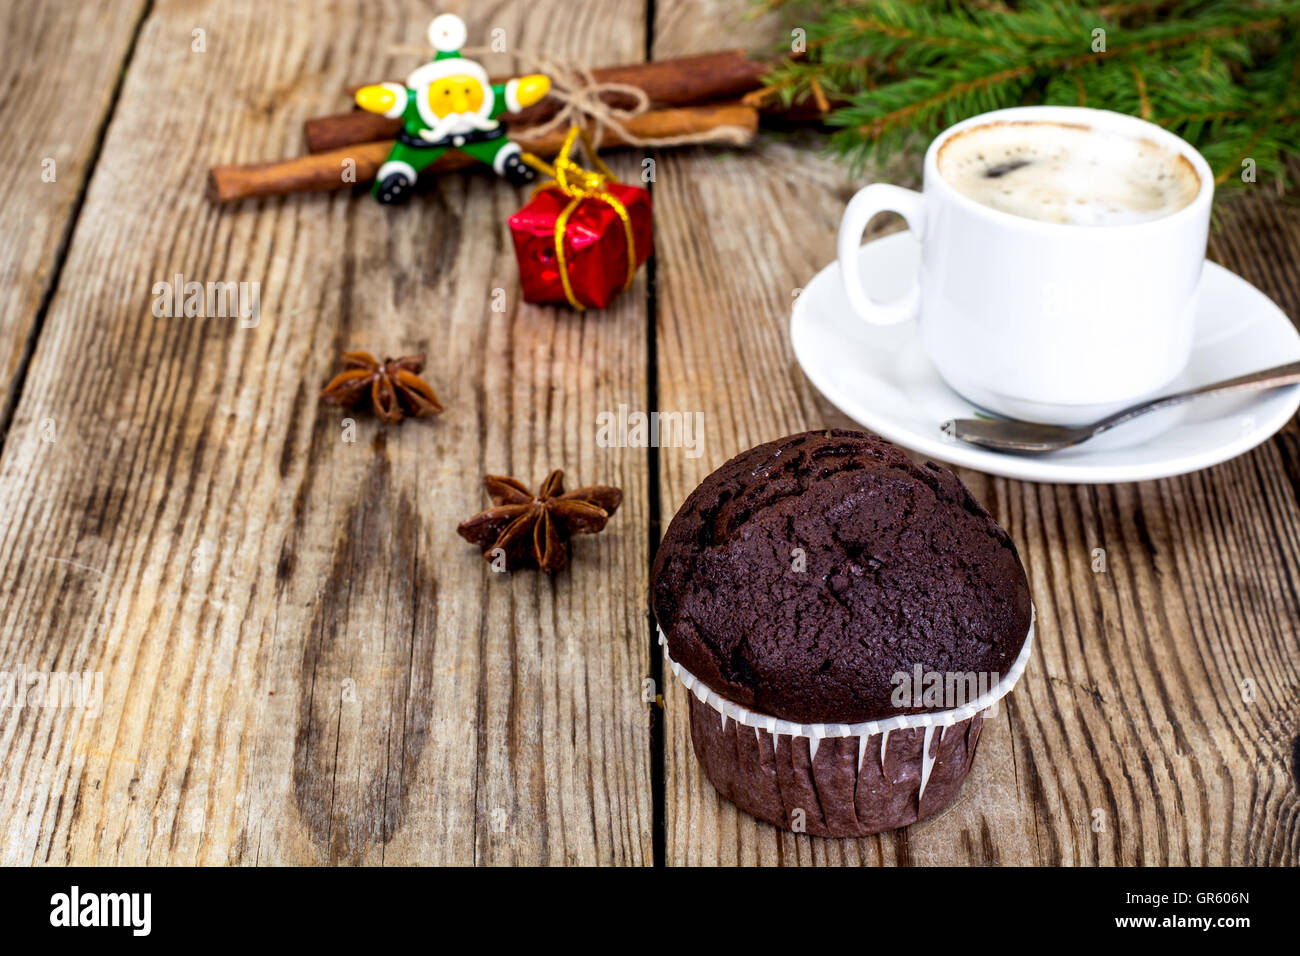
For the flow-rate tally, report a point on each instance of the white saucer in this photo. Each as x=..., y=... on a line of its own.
x=879, y=377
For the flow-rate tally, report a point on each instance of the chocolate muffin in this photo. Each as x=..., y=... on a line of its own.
x=800, y=591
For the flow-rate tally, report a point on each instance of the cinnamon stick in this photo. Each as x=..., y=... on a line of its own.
x=682, y=81
x=317, y=172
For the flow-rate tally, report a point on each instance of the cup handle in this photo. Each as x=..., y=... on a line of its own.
x=878, y=197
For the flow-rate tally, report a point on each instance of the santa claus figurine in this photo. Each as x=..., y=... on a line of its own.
x=449, y=104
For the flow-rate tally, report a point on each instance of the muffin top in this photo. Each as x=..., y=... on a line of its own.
x=803, y=574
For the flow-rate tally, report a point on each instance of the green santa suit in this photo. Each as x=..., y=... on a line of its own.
x=479, y=134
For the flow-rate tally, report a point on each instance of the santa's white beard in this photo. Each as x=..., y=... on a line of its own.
x=457, y=123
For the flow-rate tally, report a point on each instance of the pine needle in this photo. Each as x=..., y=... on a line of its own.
x=1223, y=74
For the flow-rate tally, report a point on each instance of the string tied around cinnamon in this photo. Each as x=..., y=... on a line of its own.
x=585, y=101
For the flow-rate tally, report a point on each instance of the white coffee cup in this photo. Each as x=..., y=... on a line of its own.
x=1036, y=320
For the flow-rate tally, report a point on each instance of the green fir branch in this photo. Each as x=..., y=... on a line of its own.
x=1224, y=74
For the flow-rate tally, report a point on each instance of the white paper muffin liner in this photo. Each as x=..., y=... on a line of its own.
x=865, y=731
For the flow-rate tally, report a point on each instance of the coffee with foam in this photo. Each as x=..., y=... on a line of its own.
x=1065, y=173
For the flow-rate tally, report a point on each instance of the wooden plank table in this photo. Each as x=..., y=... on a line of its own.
x=302, y=663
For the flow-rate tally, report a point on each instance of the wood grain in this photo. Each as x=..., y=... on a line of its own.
x=58, y=68
x=1130, y=739
x=302, y=661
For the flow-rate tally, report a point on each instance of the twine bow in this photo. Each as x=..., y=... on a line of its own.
x=583, y=100
x=580, y=184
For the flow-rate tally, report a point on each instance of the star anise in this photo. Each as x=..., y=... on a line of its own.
x=533, y=529
x=394, y=388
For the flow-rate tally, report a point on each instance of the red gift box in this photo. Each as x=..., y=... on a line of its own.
x=603, y=223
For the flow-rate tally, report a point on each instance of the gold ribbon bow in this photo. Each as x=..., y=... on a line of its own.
x=579, y=184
